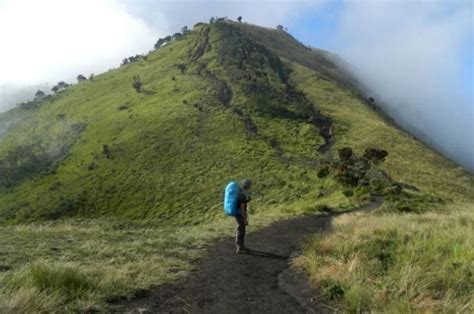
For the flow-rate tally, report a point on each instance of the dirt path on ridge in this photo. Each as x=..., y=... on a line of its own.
x=225, y=282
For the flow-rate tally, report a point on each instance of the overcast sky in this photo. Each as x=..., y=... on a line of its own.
x=416, y=55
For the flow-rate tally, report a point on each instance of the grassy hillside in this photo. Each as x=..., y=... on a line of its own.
x=101, y=148
x=127, y=186
x=401, y=263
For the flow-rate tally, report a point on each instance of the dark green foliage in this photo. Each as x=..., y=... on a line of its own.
x=66, y=207
x=323, y=208
x=323, y=171
x=22, y=162
x=413, y=202
x=198, y=24
x=181, y=67
x=185, y=30
x=159, y=43
x=81, y=78
x=106, y=151
x=60, y=86
x=345, y=154
x=132, y=59
x=375, y=156
x=26, y=161
x=333, y=290
x=39, y=94
x=355, y=171
x=137, y=83
x=348, y=193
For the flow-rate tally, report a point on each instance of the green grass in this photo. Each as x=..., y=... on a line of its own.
x=127, y=187
x=79, y=265
x=357, y=126
x=171, y=151
x=395, y=263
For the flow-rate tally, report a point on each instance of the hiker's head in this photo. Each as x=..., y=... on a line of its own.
x=246, y=184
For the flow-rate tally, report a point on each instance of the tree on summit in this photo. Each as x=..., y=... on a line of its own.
x=239, y=19
x=60, y=86
x=160, y=43
x=39, y=94
x=185, y=30
x=81, y=78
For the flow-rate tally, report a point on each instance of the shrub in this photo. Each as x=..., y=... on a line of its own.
x=323, y=171
x=137, y=83
x=60, y=86
x=181, y=67
x=185, y=30
x=39, y=94
x=81, y=78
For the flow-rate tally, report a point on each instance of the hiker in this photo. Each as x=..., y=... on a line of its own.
x=236, y=199
x=242, y=217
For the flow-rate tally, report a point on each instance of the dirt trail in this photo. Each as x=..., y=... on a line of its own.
x=225, y=282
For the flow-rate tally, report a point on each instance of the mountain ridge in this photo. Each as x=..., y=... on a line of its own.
x=219, y=75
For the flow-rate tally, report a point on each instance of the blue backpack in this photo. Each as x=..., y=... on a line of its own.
x=230, y=198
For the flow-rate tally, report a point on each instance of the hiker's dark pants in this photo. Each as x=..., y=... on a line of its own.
x=240, y=231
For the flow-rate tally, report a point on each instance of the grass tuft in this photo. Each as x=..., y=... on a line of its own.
x=414, y=263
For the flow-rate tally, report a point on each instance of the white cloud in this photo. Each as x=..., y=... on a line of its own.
x=171, y=15
x=409, y=52
x=51, y=40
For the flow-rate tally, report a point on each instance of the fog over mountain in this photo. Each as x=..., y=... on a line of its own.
x=411, y=56
x=409, y=53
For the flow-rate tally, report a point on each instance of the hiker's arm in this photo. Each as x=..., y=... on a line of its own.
x=243, y=211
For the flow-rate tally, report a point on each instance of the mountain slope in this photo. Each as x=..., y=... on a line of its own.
x=106, y=149
x=217, y=104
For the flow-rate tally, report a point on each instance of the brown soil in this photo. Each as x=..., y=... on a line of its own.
x=225, y=282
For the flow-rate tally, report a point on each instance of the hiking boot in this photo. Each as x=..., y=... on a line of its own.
x=242, y=250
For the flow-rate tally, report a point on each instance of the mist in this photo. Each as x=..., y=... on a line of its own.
x=44, y=42
x=411, y=55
